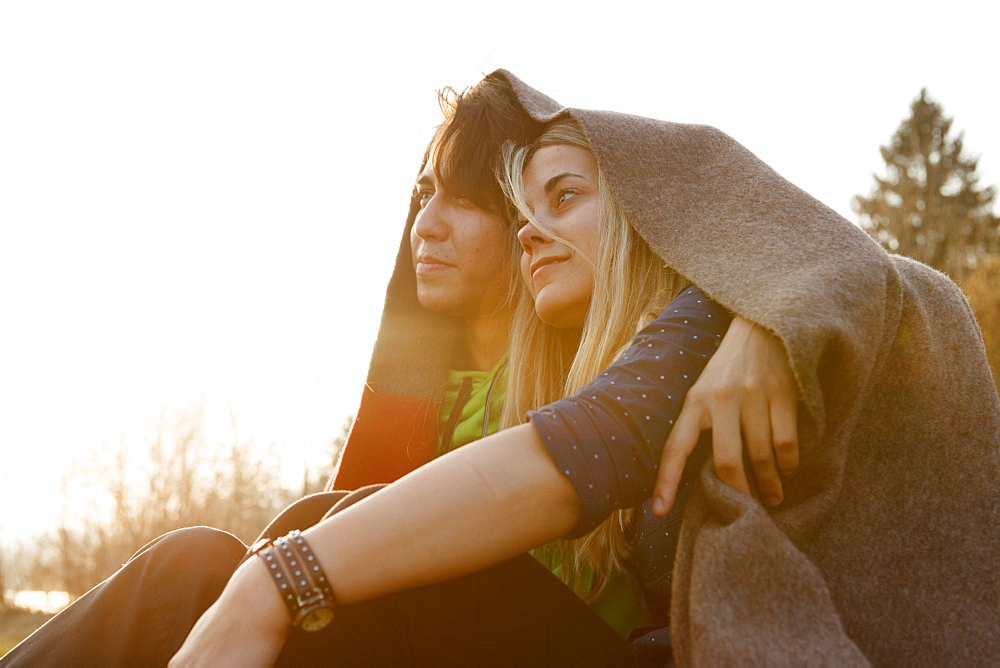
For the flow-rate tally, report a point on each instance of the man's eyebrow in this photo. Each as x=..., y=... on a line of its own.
x=424, y=179
x=551, y=184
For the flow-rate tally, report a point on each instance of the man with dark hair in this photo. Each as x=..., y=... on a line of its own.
x=437, y=374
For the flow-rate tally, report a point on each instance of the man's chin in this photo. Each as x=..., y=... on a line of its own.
x=438, y=300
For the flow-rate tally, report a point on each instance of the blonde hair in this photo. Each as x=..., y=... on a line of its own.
x=632, y=287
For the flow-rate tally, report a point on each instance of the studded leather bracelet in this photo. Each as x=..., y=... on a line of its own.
x=300, y=580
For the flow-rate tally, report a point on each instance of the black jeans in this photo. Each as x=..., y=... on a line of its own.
x=515, y=613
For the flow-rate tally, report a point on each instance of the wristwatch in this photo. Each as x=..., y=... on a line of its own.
x=299, y=578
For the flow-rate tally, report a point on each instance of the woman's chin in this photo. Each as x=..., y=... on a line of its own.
x=561, y=316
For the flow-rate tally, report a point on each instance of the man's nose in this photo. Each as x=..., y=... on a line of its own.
x=431, y=222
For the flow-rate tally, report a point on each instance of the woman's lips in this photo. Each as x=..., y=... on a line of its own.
x=543, y=262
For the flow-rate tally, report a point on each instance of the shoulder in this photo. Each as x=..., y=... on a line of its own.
x=691, y=309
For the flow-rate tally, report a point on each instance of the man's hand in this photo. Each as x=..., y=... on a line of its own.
x=246, y=626
x=746, y=393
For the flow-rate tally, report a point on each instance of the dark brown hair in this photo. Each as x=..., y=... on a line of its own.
x=466, y=151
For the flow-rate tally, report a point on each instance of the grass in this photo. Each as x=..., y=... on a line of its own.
x=16, y=625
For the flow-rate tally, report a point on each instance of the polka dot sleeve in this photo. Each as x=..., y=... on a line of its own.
x=608, y=437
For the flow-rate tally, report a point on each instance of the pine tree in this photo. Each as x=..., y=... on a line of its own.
x=929, y=205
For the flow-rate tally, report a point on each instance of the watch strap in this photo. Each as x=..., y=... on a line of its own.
x=300, y=580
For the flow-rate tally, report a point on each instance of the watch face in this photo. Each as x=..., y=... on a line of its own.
x=316, y=619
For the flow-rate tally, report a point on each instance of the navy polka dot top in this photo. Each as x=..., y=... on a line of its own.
x=608, y=437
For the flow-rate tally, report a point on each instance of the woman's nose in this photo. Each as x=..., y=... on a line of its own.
x=529, y=236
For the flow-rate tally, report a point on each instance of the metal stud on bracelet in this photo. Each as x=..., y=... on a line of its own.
x=300, y=580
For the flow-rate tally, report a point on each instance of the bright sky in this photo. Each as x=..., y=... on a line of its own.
x=201, y=200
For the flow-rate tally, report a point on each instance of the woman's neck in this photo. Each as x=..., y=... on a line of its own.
x=569, y=343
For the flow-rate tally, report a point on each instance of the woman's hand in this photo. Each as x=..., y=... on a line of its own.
x=246, y=626
x=747, y=392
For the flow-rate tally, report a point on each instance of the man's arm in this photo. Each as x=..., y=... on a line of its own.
x=748, y=397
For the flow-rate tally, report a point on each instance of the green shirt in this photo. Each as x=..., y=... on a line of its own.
x=473, y=399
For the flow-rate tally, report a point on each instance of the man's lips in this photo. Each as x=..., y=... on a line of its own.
x=429, y=263
x=542, y=262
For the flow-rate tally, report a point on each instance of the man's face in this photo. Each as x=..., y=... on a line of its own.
x=459, y=252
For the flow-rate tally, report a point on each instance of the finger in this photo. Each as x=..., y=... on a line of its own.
x=757, y=433
x=682, y=440
x=727, y=449
x=784, y=424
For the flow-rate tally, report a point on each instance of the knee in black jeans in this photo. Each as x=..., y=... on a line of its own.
x=194, y=541
x=142, y=613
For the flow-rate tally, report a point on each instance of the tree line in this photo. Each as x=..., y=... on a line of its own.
x=120, y=497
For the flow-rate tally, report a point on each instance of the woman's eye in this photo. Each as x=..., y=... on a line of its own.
x=565, y=195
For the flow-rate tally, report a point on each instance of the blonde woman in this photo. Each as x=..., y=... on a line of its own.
x=591, y=283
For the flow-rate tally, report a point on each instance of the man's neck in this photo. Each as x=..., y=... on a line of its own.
x=486, y=339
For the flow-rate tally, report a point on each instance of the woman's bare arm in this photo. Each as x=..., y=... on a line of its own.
x=477, y=506
x=486, y=502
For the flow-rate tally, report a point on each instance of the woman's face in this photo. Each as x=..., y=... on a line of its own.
x=560, y=184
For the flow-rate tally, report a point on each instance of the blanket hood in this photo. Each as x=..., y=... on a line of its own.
x=880, y=551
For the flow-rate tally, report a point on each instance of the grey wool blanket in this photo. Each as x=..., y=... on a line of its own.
x=886, y=549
